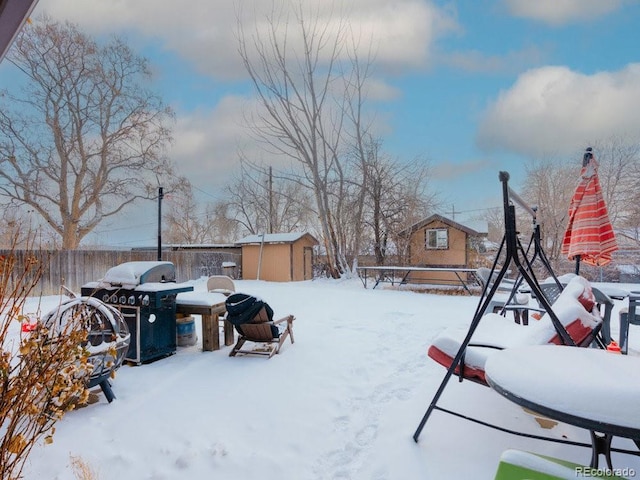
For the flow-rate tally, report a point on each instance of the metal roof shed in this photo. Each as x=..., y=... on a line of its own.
x=277, y=257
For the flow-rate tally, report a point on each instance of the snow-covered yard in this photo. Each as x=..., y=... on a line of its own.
x=341, y=403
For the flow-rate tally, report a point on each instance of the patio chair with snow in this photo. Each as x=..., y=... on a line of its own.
x=221, y=284
x=253, y=320
x=604, y=303
x=518, y=464
x=507, y=294
x=629, y=316
x=487, y=278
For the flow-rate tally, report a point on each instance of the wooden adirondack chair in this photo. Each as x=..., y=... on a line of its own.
x=264, y=332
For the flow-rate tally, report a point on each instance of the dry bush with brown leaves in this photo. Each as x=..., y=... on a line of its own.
x=82, y=470
x=42, y=375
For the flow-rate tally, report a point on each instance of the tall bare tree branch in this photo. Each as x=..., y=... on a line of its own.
x=299, y=69
x=85, y=137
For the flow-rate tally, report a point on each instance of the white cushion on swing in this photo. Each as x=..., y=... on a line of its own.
x=574, y=308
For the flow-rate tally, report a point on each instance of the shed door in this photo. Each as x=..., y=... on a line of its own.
x=308, y=263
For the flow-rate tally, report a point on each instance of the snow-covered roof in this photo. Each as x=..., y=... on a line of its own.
x=188, y=246
x=274, y=238
x=439, y=218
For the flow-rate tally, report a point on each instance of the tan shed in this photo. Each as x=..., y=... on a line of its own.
x=439, y=242
x=278, y=257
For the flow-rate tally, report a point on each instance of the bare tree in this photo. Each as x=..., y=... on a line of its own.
x=551, y=183
x=14, y=222
x=396, y=197
x=263, y=202
x=84, y=137
x=305, y=79
x=225, y=228
x=619, y=163
x=353, y=190
x=184, y=222
x=495, y=224
x=190, y=222
x=549, y=186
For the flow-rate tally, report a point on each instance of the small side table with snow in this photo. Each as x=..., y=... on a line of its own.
x=210, y=306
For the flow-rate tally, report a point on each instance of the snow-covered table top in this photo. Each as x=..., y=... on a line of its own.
x=613, y=291
x=586, y=387
x=206, y=299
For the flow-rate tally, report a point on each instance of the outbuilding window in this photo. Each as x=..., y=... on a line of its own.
x=437, y=238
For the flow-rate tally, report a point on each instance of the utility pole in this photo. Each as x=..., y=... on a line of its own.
x=160, y=197
x=270, y=200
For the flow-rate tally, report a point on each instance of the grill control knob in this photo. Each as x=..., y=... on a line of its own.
x=132, y=300
x=123, y=299
x=114, y=298
x=145, y=300
x=105, y=298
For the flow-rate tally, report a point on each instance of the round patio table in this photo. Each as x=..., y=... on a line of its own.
x=586, y=387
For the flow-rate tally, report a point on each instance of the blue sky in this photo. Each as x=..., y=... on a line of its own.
x=474, y=86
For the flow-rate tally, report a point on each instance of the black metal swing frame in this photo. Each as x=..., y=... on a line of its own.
x=516, y=254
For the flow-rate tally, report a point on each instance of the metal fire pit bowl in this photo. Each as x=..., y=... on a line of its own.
x=108, y=336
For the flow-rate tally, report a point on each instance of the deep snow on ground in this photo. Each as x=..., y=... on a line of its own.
x=342, y=402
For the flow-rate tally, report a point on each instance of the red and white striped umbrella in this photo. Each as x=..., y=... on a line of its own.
x=589, y=237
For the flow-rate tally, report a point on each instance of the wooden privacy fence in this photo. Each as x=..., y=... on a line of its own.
x=74, y=268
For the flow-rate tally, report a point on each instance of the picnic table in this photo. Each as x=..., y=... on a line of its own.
x=209, y=306
x=391, y=274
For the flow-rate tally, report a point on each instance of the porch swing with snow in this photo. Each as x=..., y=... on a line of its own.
x=571, y=320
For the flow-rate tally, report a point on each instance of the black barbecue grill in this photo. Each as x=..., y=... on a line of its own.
x=145, y=293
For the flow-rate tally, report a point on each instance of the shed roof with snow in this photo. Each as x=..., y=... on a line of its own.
x=276, y=238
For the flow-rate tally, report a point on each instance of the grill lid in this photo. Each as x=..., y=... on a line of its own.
x=132, y=274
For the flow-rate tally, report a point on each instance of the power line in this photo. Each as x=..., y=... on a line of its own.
x=205, y=192
x=138, y=225
x=455, y=212
x=478, y=209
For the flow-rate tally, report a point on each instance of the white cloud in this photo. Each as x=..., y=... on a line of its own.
x=203, y=31
x=561, y=12
x=403, y=32
x=554, y=110
x=450, y=170
x=208, y=144
x=379, y=90
x=476, y=61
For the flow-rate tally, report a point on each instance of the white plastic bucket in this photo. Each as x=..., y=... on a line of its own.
x=186, y=332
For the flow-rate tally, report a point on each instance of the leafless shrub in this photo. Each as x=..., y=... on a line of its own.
x=82, y=470
x=42, y=374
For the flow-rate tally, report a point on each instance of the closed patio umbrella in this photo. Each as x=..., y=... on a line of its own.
x=589, y=237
